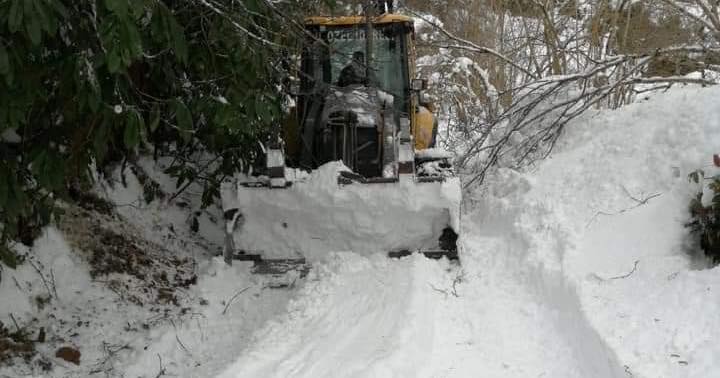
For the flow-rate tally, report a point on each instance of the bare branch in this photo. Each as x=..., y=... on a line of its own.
x=683, y=9
x=627, y=274
x=229, y=302
x=470, y=46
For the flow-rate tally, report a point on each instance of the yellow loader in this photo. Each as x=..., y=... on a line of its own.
x=354, y=166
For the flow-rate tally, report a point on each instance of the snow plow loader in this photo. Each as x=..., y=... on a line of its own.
x=354, y=166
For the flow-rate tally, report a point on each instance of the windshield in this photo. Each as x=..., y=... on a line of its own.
x=341, y=59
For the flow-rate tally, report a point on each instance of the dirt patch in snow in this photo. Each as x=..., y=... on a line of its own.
x=136, y=269
x=15, y=344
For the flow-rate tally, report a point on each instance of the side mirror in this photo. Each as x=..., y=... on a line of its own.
x=418, y=85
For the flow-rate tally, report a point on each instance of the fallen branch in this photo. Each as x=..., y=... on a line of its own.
x=184, y=348
x=15, y=322
x=438, y=290
x=628, y=274
x=227, y=305
x=110, y=351
x=54, y=286
x=603, y=279
x=638, y=202
x=458, y=279
x=470, y=46
x=162, y=369
x=42, y=277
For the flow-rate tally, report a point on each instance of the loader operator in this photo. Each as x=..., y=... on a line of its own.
x=354, y=72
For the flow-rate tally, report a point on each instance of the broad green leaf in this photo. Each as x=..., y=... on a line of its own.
x=4, y=60
x=183, y=116
x=10, y=77
x=125, y=58
x=39, y=168
x=59, y=8
x=130, y=42
x=119, y=7
x=93, y=101
x=18, y=195
x=41, y=14
x=131, y=136
x=3, y=187
x=137, y=7
x=252, y=5
x=8, y=257
x=55, y=171
x=262, y=109
x=100, y=140
x=45, y=212
x=16, y=15
x=154, y=118
x=28, y=9
x=113, y=60
x=32, y=25
x=141, y=125
x=178, y=39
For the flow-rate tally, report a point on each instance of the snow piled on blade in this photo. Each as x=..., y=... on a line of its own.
x=434, y=153
x=317, y=215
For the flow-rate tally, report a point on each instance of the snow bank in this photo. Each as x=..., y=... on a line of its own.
x=612, y=203
x=318, y=216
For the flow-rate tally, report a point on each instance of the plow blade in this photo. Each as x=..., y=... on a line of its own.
x=319, y=215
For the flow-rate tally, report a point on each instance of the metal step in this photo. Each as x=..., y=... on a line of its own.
x=435, y=254
x=246, y=257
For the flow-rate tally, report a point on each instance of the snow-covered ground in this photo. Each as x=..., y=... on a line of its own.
x=580, y=267
x=549, y=284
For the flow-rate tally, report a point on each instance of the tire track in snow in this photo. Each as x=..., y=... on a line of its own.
x=345, y=322
x=527, y=319
x=376, y=317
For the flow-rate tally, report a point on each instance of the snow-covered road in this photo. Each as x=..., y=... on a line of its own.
x=375, y=317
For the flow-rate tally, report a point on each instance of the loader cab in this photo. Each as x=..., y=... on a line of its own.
x=332, y=43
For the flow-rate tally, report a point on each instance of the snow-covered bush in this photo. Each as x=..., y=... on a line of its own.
x=705, y=216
